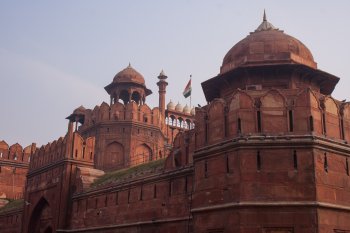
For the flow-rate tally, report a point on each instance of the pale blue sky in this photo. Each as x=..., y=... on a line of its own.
x=57, y=55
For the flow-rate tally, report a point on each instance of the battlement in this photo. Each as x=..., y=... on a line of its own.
x=16, y=153
x=57, y=150
x=120, y=112
x=14, y=162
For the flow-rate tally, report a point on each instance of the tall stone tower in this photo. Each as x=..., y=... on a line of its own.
x=162, y=91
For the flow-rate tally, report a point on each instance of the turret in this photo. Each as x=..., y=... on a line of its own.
x=128, y=85
x=75, y=118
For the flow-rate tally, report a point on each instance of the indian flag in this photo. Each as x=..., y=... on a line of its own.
x=188, y=89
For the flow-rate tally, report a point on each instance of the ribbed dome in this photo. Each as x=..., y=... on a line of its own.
x=178, y=107
x=186, y=109
x=127, y=75
x=267, y=45
x=170, y=106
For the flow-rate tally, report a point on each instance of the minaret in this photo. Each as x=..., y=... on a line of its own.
x=162, y=90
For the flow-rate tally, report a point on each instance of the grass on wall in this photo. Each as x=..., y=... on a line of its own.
x=128, y=172
x=13, y=204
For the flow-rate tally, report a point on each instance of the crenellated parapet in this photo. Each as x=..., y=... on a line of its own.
x=119, y=112
x=14, y=162
x=49, y=153
x=16, y=153
x=82, y=150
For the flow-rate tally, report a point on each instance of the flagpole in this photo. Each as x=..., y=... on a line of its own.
x=191, y=91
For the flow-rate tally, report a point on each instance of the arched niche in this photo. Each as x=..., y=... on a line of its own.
x=216, y=122
x=114, y=155
x=142, y=154
x=273, y=112
x=332, y=118
x=302, y=112
x=316, y=113
x=241, y=114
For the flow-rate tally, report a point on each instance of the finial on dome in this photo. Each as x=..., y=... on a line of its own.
x=265, y=25
x=129, y=66
x=162, y=73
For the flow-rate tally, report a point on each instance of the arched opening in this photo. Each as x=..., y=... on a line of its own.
x=188, y=124
x=124, y=96
x=41, y=218
x=180, y=122
x=172, y=120
x=136, y=97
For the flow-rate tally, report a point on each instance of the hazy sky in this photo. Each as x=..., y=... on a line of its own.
x=58, y=55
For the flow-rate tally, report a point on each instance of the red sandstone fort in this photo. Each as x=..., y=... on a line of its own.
x=269, y=153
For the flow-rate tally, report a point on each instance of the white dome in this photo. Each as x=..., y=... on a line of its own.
x=178, y=107
x=170, y=106
x=187, y=109
x=193, y=111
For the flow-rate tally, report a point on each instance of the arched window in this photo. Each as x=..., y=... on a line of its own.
x=180, y=122
x=124, y=96
x=172, y=120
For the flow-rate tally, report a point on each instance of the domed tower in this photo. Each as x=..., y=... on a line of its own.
x=128, y=85
x=271, y=146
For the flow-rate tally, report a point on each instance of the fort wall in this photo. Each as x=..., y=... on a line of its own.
x=14, y=163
